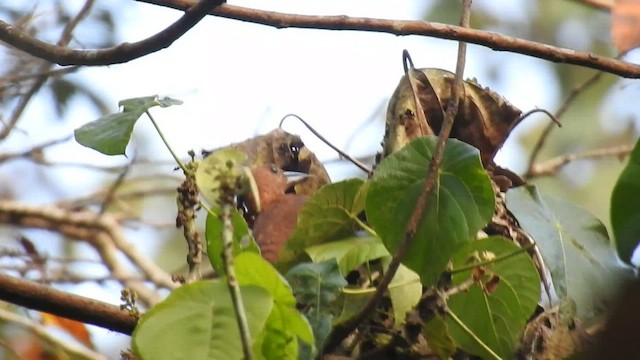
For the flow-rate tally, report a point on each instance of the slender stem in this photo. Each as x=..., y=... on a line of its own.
x=343, y=154
x=472, y=334
x=232, y=281
x=578, y=90
x=364, y=226
x=166, y=143
x=493, y=261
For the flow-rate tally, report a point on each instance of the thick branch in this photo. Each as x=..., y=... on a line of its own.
x=492, y=40
x=114, y=55
x=45, y=298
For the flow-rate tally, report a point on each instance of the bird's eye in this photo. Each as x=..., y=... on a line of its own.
x=274, y=169
x=294, y=148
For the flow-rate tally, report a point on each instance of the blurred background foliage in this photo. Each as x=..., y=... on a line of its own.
x=604, y=115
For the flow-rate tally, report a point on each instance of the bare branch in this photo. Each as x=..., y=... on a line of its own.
x=45, y=298
x=102, y=232
x=492, y=40
x=577, y=91
x=552, y=166
x=44, y=69
x=114, y=55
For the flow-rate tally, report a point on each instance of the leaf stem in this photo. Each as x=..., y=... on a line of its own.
x=232, y=281
x=166, y=143
x=472, y=334
x=495, y=260
x=364, y=226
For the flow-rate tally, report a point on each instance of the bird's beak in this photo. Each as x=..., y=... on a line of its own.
x=295, y=177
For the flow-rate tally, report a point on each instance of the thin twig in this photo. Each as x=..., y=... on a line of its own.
x=489, y=39
x=11, y=80
x=111, y=191
x=580, y=89
x=35, y=152
x=44, y=70
x=343, y=154
x=342, y=330
x=552, y=166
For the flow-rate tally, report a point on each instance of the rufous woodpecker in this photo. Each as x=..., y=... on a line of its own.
x=276, y=211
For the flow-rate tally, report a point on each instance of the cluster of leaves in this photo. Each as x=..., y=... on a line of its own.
x=490, y=290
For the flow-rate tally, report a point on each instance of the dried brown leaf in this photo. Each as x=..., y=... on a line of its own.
x=484, y=119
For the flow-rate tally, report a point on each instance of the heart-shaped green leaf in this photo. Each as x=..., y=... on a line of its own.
x=224, y=166
x=198, y=321
x=328, y=215
x=242, y=238
x=575, y=247
x=349, y=253
x=461, y=204
x=317, y=286
x=285, y=323
x=111, y=133
x=487, y=319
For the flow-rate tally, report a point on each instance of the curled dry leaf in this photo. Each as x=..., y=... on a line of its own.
x=484, y=118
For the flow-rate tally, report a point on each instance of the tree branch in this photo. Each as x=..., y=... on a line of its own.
x=114, y=55
x=492, y=40
x=552, y=166
x=101, y=232
x=45, y=298
x=44, y=70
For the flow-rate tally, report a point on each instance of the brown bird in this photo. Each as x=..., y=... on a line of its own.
x=276, y=212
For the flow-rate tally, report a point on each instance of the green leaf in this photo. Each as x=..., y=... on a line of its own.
x=496, y=307
x=575, y=247
x=461, y=204
x=625, y=207
x=198, y=321
x=352, y=301
x=252, y=269
x=110, y=134
x=224, y=166
x=328, y=215
x=436, y=333
x=349, y=253
x=242, y=238
x=405, y=291
x=316, y=287
x=285, y=323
